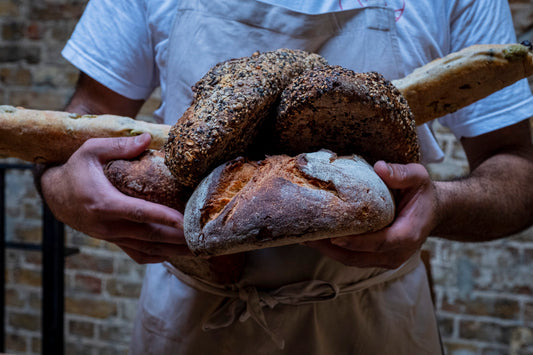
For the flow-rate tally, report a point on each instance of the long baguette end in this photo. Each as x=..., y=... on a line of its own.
x=52, y=136
x=459, y=79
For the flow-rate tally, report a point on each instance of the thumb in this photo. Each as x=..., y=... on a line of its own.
x=107, y=149
x=401, y=176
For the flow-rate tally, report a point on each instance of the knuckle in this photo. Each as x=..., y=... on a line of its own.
x=137, y=214
x=154, y=235
x=119, y=144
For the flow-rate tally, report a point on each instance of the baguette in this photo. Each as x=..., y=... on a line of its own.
x=52, y=136
x=461, y=78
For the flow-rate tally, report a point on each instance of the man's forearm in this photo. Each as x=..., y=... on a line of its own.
x=496, y=200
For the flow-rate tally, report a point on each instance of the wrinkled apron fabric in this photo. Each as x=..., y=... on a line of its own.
x=290, y=299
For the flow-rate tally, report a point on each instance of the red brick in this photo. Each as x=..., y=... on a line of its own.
x=12, y=31
x=43, y=11
x=115, y=333
x=36, y=99
x=81, y=328
x=34, y=31
x=86, y=262
x=87, y=283
x=15, y=76
x=9, y=8
x=14, y=298
x=36, y=345
x=27, y=277
x=122, y=288
x=90, y=307
x=28, y=234
x=15, y=343
x=528, y=312
x=34, y=258
x=483, y=306
x=24, y=321
x=20, y=53
x=485, y=331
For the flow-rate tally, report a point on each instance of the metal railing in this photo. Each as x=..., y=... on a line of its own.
x=53, y=266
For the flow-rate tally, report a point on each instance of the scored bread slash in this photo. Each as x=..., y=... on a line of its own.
x=245, y=205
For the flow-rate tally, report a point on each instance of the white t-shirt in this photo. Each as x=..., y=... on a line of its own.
x=123, y=45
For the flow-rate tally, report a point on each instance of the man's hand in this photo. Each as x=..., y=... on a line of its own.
x=79, y=194
x=416, y=217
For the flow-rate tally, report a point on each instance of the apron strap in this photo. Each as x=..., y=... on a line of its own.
x=248, y=301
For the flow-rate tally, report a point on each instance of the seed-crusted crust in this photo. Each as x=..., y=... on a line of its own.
x=347, y=112
x=230, y=103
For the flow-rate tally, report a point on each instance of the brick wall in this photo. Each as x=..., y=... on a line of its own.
x=484, y=292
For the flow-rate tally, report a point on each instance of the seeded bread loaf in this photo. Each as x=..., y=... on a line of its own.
x=349, y=113
x=244, y=205
x=230, y=104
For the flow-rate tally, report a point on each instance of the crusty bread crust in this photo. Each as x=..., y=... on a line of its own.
x=229, y=106
x=148, y=178
x=461, y=78
x=349, y=113
x=52, y=136
x=283, y=200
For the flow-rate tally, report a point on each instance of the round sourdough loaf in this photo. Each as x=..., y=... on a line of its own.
x=244, y=205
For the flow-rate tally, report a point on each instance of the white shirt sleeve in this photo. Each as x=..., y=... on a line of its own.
x=481, y=22
x=112, y=44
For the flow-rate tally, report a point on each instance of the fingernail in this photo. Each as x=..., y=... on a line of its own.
x=140, y=138
x=391, y=172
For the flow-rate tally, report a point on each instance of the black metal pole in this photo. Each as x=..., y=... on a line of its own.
x=3, y=260
x=53, y=284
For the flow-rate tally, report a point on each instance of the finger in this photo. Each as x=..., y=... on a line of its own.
x=108, y=149
x=398, y=236
x=153, y=249
x=360, y=259
x=147, y=232
x=142, y=258
x=137, y=210
x=401, y=176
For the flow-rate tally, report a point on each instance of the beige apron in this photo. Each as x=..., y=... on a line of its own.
x=291, y=299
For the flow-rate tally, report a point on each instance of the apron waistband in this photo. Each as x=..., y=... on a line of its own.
x=248, y=301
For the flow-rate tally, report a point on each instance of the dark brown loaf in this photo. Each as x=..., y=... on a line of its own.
x=245, y=205
x=349, y=113
x=229, y=106
x=147, y=177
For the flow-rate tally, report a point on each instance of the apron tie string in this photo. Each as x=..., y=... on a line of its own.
x=248, y=302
